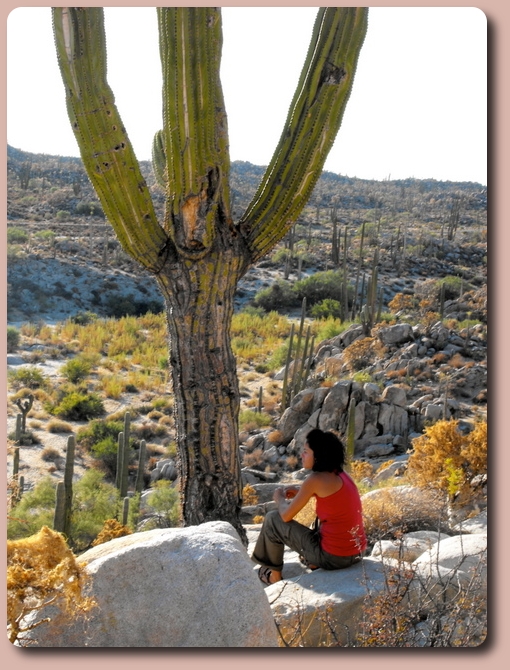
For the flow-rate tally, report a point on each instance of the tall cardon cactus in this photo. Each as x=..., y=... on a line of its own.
x=198, y=252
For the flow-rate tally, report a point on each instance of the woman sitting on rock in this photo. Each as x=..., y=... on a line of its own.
x=340, y=539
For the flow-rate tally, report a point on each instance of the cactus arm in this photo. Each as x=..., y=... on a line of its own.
x=195, y=139
x=312, y=123
x=105, y=148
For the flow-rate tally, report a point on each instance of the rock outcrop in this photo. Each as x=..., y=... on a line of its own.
x=178, y=587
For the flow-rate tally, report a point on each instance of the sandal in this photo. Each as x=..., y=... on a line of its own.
x=265, y=575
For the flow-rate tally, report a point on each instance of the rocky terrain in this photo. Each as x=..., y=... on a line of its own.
x=419, y=368
x=380, y=384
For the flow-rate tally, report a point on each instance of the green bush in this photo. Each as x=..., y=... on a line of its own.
x=89, y=209
x=94, y=501
x=35, y=510
x=29, y=376
x=452, y=286
x=76, y=369
x=280, y=295
x=83, y=318
x=76, y=406
x=117, y=306
x=63, y=215
x=320, y=286
x=165, y=501
x=326, y=308
x=100, y=439
x=98, y=430
x=47, y=236
x=13, y=338
x=16, y=236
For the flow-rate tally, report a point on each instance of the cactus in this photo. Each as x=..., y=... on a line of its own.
x=360, y=265
x=68, y=484
x=125, y=511
x=286, y=372
x=260, y=400
x=59, y=514
x=121, y=479
x=197, y=252
x=21, y=488
x=295, y=373
x=120, y=459
x=345, y=301
x=141, y=467
x=350, y=433
x=25, y=406
x=15, y=463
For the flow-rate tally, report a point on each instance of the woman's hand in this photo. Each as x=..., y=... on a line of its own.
x=279, y=494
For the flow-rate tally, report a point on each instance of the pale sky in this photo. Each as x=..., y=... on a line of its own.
x=418, y=106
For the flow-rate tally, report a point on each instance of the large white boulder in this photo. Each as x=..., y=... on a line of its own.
x=176, y=587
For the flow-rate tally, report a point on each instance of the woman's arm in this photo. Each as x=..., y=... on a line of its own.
x=289, y=508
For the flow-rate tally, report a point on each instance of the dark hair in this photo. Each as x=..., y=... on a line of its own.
x=328, y=451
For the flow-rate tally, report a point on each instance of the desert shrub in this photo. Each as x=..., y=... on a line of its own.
x=76, y=369
x=253, y=458
x=110, y=530
x=47, y=236
x=390, y=510
x=279, y=296
x=13, y=338
x=83, y=318
x=402, y=301
x=16, y=236
x=41, y=569
x=362, y=377
x=362, y=353
x=63, y=215
x=77, y=406
x=94, y=501
x=50, y=454
x=165, y=501
x=417, y=611
x=321, y=286
x=325, y=308
x=452, y=286
x=100, y=439
x=446, y=459
x=89, y=209
x=250, y=419
x=34, y=510
x=360, y=470
x=327, y=328
x=29, y=376
x=57, y=426
x=250, y=496
x=117, y=306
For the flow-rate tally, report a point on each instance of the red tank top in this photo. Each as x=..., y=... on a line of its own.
x=341, y=527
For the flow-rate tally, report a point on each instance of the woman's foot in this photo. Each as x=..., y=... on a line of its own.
x=269, y=576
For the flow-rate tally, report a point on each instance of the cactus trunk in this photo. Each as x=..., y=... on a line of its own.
x=197, y=252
